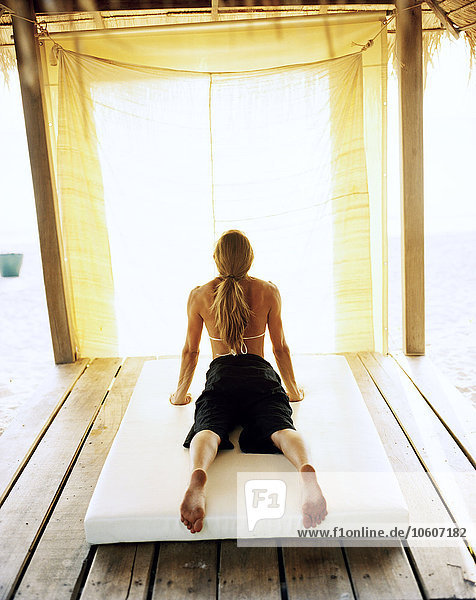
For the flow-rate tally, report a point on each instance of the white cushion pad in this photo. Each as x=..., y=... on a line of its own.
x=140, y=488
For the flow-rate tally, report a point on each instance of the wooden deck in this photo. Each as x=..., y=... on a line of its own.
x=53, y=452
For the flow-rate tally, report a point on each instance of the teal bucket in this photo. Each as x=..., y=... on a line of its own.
x=10, y=264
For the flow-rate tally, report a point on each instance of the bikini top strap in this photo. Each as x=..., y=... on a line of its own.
x=255, y=336
x=245, y=338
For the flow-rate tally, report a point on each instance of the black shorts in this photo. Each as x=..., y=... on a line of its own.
x=242, y=390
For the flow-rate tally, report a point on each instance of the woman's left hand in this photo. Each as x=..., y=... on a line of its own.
x=180, y=402
x=299, y=397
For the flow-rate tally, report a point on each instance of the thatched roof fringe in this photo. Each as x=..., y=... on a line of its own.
x=431, y=46
x=470, y=37
x=8, y=60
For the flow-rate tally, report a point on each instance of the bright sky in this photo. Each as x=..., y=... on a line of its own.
x=18, y=221
x=449, y=143
x=450, y=131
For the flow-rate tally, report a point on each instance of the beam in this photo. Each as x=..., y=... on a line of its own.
x=72, y=6
x=444, y=19
x=26, y=47
x=410, y=87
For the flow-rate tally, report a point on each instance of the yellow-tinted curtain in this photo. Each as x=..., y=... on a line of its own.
x=351, y=214
x=168, y=136
x=83, y=218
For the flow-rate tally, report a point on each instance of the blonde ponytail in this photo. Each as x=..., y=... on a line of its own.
x=233, y=256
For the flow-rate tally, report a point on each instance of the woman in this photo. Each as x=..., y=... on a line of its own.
x=241, y=386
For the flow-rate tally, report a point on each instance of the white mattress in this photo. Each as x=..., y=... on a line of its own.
x=140, y=488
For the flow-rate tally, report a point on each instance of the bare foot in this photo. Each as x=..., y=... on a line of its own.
x=314, y=507
x=192, y=509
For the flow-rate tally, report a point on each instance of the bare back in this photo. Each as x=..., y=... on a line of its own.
x=258, y=294
x=265, y=302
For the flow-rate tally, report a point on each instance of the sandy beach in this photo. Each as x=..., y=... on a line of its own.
x=450, y=287
x=26, y=352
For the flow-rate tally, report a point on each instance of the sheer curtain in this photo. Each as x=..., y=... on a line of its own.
x=276, y=129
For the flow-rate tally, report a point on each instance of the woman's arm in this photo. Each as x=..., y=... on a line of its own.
x=190, y=351
x=280, y=347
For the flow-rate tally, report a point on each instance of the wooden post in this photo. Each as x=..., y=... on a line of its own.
x=26, y=47
x=410, y=84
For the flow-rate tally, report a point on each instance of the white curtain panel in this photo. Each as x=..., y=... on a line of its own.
x=183, y=155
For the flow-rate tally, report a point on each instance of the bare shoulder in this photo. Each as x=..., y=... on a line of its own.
x=204, y=288
x=265, y=286
x=195, y=296
x=201, y=294
x=268, y=292
x=272, y=291
x=272, y=287
x=195, y=293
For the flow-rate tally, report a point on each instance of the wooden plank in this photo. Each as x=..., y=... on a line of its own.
x=410, y=87
x=382, y=573
x=28, y=60
x=316, y=573
x=119, y=572
x=62, y=549
x=452, y=408
x=28, y=506
x=451, y=471
x=31, y=421
x=248, y=572
x=443, y=572
x=186, y=570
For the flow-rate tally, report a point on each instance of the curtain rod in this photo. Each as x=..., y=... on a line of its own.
x=276, y=22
